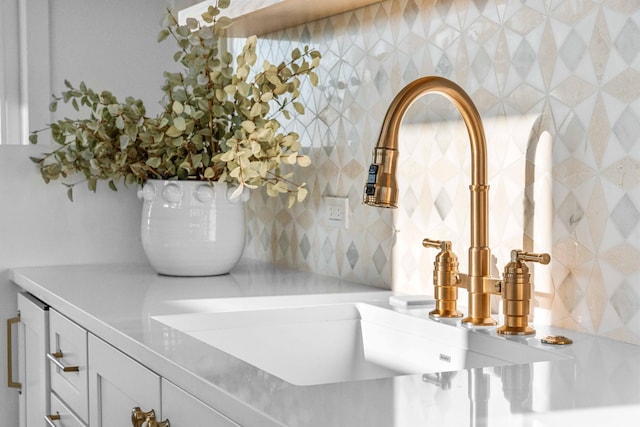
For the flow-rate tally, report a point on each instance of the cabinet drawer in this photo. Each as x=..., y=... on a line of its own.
x=68, y=348
x=184, y=410
x=67, y=417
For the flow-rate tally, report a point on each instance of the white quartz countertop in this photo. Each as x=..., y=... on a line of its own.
x=599, y=384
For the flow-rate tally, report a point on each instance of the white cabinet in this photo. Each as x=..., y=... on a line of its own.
x=74, y=379
x=33, y=369
x=117, y=384
x=184, y=410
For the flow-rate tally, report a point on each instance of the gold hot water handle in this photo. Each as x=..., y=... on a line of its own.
x=446, y=280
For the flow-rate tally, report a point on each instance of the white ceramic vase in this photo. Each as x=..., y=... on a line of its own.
x=190, y=228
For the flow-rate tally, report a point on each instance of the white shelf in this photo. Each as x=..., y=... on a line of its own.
x=265, y=16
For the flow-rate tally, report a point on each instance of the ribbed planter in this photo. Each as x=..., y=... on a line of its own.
x=190, y=228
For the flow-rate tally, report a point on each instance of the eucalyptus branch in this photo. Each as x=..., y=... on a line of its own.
x=217, y=121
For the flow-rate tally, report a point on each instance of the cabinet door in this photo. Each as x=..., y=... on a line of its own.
x=117, y=384
x=68, y=355
x=33, y=341
x=184, y=410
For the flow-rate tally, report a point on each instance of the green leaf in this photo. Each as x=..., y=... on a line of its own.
x=173, y=131
x=302, y=194
x=112, y=185
x=120, y=122
x=298, y=107
x=192, y=24
x=70, y=193
x=304, y=161
x=256, y=110
x=313, y=78
x=154, y=162
x=179, y=124
x=177, y=107
x=162, y=35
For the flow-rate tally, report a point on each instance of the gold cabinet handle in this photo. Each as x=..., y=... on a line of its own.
x=49, y=419
x=55, y=359
x=139, y=418
x=10, y=382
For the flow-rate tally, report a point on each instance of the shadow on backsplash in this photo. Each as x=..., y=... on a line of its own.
x=551, y=82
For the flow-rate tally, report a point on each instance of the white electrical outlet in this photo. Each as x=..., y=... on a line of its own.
x=337, y=211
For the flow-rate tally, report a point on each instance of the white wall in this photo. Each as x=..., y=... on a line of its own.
x=111, y=45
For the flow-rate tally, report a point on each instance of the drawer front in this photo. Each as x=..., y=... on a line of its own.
x=68, y=350
x=61, y=416
x=184, y=410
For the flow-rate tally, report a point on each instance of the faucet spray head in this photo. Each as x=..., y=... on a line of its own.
x=381, y=188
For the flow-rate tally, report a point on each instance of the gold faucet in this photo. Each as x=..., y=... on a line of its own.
x=381, y=190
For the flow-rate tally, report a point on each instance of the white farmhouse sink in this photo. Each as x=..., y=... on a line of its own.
x=348, y=342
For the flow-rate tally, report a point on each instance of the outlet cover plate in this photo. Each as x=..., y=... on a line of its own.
x=337, y=211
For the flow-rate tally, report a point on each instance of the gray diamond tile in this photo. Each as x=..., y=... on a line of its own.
x=625, y=216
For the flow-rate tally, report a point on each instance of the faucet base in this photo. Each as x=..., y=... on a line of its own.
x=445, y=314
x=479, y=321
x=516, y=330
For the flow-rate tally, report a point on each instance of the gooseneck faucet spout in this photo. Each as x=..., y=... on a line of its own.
x=381, y=188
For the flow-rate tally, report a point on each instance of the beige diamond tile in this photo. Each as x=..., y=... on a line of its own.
x=571, y=12
x=570, y=253
x=595, y=297
x=624, y=257
x=572, y=172
x=625, y=86
x=573, y=91
x=600, y=45
x=624, y=6
x=597, y=213
x=599, y=130
x=525, y=20
x=547, y=55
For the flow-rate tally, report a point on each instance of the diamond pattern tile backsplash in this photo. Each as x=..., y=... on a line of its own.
x=557, y=84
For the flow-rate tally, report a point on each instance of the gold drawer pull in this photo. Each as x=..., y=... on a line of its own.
x=10, y=382
x=54, y=357
x=49, y=419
